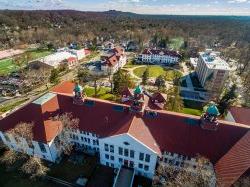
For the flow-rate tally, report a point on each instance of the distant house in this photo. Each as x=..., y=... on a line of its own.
x=110, y=62
x=63, y=56
x=159, y=56
x=71, y=62
x=238, y=115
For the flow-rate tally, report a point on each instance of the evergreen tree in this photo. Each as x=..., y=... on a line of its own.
x=121, y=80
x=145, y=76
x=160, y=82
x=227, y=100
x=54, y=76
x=83, y=75
x=174, y=100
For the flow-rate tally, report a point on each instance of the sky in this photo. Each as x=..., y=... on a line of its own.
x=170, y=7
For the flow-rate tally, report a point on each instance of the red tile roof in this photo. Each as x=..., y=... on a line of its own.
x=161, y=52
x=234, y=163
x=241, y=115
x=64, y=88
x=173, y=132
x=72, y=59
x=167, y=131
x=87, y=51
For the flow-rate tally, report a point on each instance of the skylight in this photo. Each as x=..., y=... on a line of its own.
x=45, y=98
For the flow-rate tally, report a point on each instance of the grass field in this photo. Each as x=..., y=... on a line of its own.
x=176, y=43
x=192, y=111
x=102, y=93
x=11, y=106
x=7, y=65
x=155, y=71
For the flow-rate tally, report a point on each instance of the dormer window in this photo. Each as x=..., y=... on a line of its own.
x=126, y=143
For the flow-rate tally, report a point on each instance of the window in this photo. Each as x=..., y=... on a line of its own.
x=107, y=164
x=42, y=147
x=106, y=147
x=7, y=137
x=120, y=151
x=112, y=158
x=82, y=138
x=140, y=166
x=141, y=156
x=112, y=165
x=111, y=148
x=120, y=160
x=97, y=142
x=132, y=153
x=125, y=152
x=131, y=164
x=146, y=167
x=106, y=156
x=88, y=140
x=147, y=158
x=126, y=143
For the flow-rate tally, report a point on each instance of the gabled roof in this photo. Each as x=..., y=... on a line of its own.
x=234, y=163
x=161, y=52
x=162, y=131
x=241, y=114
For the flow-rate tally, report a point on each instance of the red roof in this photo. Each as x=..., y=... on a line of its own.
x=87, y=51
x=112, y=60
x=235, y=163
x=173, y=132
x=64, y=88
x=241, y=115
x=161, y=52
x=72, y=59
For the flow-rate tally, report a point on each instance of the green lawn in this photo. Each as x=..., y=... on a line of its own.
x=7, y=66
x=12, y=105
x=176, y=43
x=155, y=71
x=39, y=53
x=192, y=111
x=102, y=93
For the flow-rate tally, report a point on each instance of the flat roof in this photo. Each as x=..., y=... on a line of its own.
x=213, y=60
x=45, y=98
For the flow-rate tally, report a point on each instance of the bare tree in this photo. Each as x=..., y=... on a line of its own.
x=23, y=135
x=168, y=175
x=68, y=125
x=34, y=167
x=9, y=157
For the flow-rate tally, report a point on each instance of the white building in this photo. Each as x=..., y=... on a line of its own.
x=110, y=63
x=123, y=138
x=157, y=56
x=212, y=71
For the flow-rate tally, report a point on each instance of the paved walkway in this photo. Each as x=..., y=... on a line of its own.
x=125, y=178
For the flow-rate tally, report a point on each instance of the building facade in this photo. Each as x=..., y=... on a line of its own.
x=212, y=71
x=120, y=136
x=155, y=56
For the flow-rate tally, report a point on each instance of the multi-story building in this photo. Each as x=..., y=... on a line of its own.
x=110, y=62
x=159, y=56
x=212, y=71
x=138, y=140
